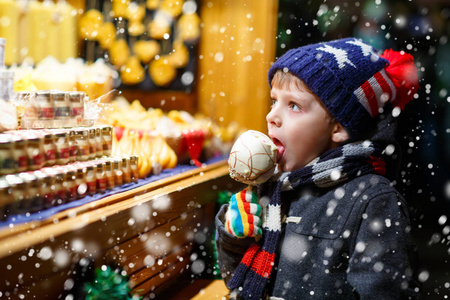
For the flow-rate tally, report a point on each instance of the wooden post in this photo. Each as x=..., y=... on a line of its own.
x=237, y=48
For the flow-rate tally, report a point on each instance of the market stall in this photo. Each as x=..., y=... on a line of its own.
x=149, y=230
x=114, y=140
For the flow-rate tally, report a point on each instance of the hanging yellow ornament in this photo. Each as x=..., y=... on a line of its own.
x=189, y=26
x=89, y=24
x=135, y=11
x=161, y=72
x=152, y=4
x=106, y=35
x=179, y=57
x=120, y=8
x=146, y=50
x=132, y=72
x=159, y=27
x=119, y=52
x=172, y=7
x=136, y=28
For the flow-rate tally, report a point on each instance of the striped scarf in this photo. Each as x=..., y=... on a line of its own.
x=333, y=167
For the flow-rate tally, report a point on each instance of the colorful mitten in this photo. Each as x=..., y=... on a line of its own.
x=243, y=215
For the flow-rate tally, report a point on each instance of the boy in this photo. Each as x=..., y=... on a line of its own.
x=333, y=226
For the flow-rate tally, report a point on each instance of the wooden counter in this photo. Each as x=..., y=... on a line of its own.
x=149, y=231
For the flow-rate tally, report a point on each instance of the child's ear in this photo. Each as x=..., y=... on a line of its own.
x=339, y=135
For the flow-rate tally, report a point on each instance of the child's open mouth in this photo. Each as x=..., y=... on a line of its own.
x=280, y=148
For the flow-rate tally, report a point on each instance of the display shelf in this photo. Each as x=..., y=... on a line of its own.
x=149, y=231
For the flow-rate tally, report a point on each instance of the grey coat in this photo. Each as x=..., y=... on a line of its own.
x=352, y=241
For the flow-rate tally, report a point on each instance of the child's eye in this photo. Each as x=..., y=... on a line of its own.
x=294, y=106
x=274, y=102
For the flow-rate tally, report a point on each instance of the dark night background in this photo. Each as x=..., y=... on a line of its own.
x=421, y=28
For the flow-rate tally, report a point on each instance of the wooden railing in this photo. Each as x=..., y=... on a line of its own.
x=148, y=231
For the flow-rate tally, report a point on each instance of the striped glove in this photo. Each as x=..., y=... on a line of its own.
x=243, y=215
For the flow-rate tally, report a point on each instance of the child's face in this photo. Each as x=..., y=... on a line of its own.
x=298, y=124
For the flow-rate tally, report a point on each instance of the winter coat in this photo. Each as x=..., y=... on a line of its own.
x=352, y=241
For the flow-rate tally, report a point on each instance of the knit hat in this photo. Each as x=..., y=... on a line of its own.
x=352, y=80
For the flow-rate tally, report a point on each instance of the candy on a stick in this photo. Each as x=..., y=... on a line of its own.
x=253, y=158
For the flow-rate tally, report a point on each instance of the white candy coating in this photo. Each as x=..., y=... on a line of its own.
x=252, y=158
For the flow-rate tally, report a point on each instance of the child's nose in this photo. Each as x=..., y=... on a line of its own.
x=273, y=117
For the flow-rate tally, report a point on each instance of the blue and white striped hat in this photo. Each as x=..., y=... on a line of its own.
x=352, y=80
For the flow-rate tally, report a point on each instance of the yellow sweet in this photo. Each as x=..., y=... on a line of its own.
x=175, y=116
x=106, y=35
x=145, y=152
x=137, y=106
x=146, y=50
x=152, y=149
x=136, y=28
x=96, y=80
x=42, y=30
x=90, y=24
x=155, y=113
x=52, y=24
x=119, y=8
x=9, y=22
x=119, y=52
x=115, y=142
x=132, y=72
x=172, y=7
x=161, y=72
x=144, y=168
x=160, y=26
x=166, y=156
x=135, y=11
x=179, y=57
x=24, y=84
x=156, y=149
x=152, y=4
x=123, y=145
x=173, y=159
x=67, y=32
x=189, y=26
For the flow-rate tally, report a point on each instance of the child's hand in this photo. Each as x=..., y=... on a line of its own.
x=243, y=215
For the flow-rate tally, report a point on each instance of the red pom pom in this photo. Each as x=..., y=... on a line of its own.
x=403, y=74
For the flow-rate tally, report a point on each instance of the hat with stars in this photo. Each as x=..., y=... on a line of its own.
x=352, y=80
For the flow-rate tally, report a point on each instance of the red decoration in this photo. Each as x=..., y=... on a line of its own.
x=378, y=165
x=194, y=139
x=119, y=132
x=403, y=74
